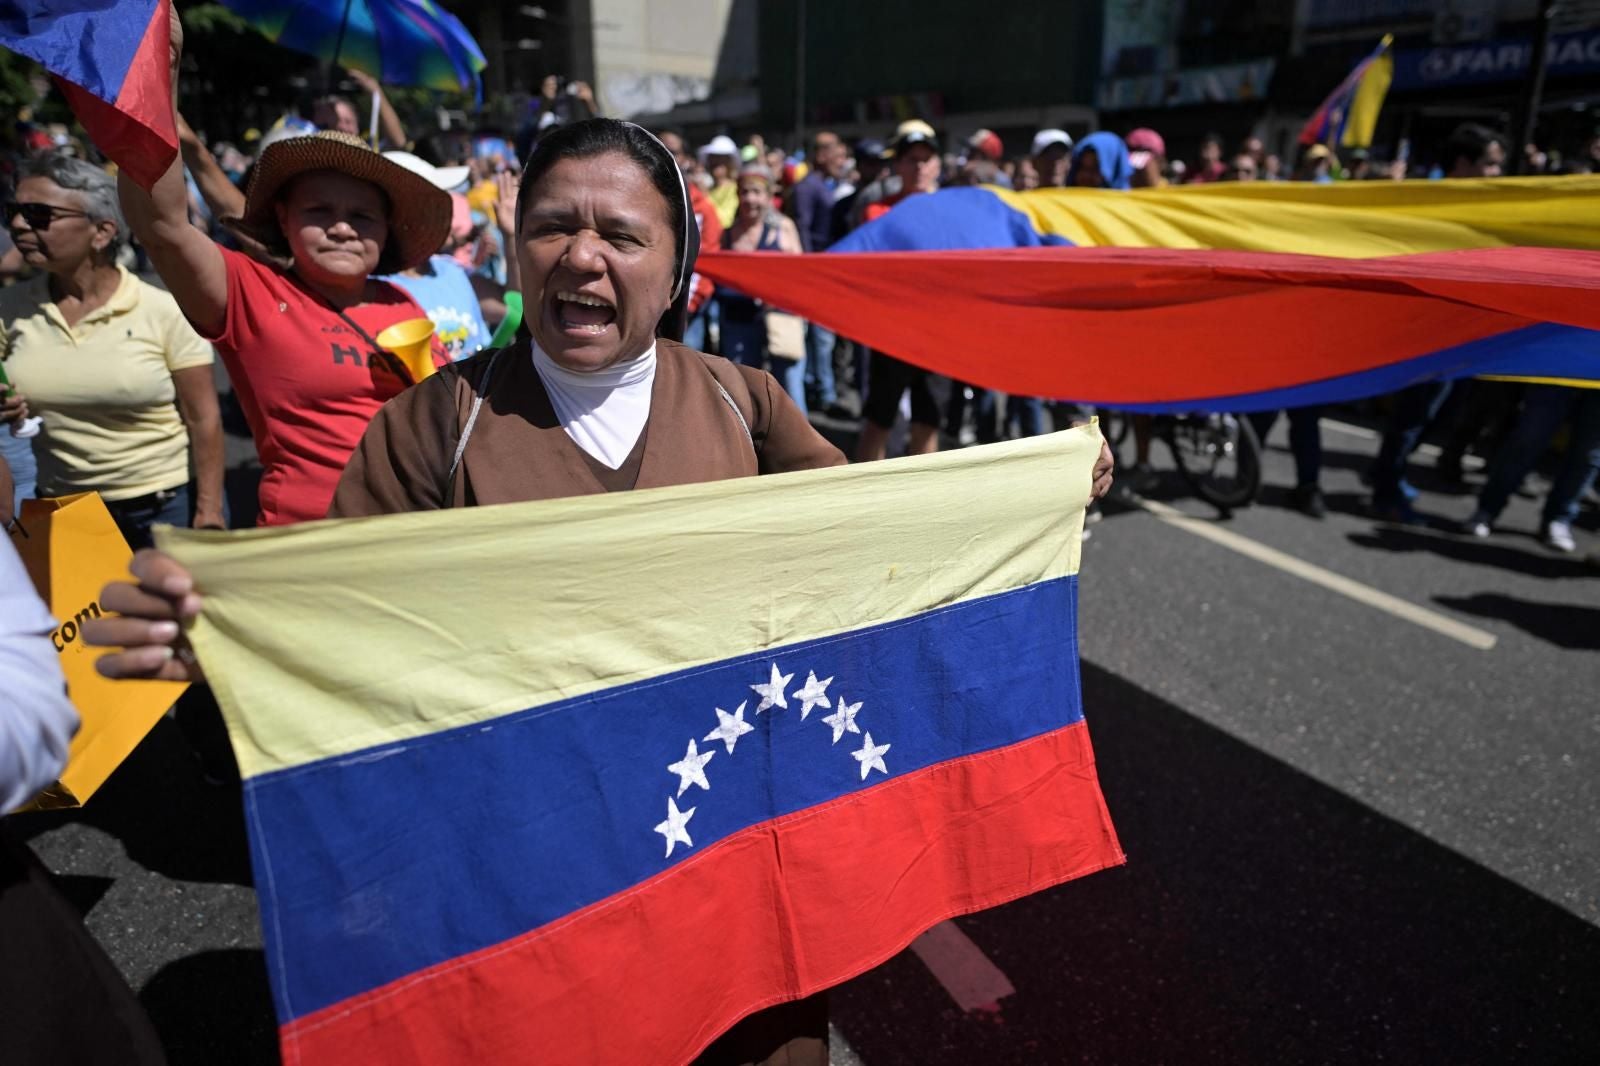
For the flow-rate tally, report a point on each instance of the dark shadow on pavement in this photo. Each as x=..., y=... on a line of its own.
x=1359, y=505
x=1419, y=471
x=83, y=891
x=1263, y=917
x=165, y=816
x=214, y=1007
x=1566, y=625
x=1471, y=550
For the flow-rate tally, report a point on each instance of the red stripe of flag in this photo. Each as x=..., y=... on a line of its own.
x=136, y=130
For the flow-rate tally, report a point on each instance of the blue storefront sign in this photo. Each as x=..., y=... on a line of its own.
x=1491, y=61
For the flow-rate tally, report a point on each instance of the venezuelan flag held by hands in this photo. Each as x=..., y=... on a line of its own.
x=112, y=61
x=1143, y=329
x=611, y=773
x=1226, y=296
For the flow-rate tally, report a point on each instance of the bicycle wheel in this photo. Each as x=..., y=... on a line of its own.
x=1219, y=456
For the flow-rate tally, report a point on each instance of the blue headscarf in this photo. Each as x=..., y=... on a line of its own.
x=1110, y=153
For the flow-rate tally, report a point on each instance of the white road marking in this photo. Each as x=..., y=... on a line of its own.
x=1289, y=564
x=840, y=1053
x=961, y=967
x=1432, y=451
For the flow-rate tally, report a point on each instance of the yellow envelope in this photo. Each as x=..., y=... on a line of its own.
x=71, y=549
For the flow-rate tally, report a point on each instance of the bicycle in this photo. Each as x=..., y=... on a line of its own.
x=1218, y=455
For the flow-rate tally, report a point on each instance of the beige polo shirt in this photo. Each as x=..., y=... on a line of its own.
x=104, y=387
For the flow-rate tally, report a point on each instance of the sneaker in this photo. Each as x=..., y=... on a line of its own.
x=1308, y=501
x=1142, y=477
x=1479, y=525
x=1558, y=535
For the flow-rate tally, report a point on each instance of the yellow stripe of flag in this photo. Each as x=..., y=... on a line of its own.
x=1352, y=219
x=538, y=602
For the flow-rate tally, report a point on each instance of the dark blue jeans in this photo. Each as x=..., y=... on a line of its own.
x=1414, y=408
x=1025, y=413
x=820, y=342
x=135, y=517
x=1305, y=441
x=1544, y=408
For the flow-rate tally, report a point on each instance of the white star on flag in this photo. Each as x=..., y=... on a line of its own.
x=673, y=827
x=772, y=694
x=730, y=727
x=843, y=719
x=692, y=769
x=871, y=757
x=812, y=694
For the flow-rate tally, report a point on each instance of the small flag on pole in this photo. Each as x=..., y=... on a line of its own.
x=1349, y=115
x=112, y=62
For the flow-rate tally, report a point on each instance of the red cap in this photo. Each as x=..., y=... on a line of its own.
x=987, y=144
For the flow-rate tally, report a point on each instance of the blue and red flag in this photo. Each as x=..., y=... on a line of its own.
x=616, y=771
x=112, y=61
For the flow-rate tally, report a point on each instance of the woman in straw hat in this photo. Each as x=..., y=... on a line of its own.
x=298, y=340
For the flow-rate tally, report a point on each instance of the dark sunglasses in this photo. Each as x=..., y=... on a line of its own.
x=38, y=216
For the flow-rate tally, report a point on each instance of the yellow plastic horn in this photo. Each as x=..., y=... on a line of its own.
x=411, y=342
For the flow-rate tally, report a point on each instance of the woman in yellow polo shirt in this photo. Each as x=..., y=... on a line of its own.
x=122, y=381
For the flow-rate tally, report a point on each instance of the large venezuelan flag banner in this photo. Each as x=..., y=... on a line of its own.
x=586, y=781
x=1223, y=296
x=112, y=61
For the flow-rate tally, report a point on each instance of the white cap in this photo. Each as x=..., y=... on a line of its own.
x=1045, y=138
x=721, y=144
x=450, y=179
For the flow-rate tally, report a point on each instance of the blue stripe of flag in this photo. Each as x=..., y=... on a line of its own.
x=91, y=45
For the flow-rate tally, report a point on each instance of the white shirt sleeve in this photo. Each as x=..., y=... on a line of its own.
x=36, y=719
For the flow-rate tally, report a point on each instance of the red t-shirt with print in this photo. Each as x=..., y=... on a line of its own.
x=307, y=381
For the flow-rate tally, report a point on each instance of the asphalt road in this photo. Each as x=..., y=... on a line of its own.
x=1351, y=837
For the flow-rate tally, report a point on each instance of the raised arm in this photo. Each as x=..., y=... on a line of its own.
x=187, y=260
x=505, y=218
x=221, y=195
x=388, y=119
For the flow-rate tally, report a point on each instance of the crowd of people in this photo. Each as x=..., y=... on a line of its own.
x=576, y=349
x=746, y=194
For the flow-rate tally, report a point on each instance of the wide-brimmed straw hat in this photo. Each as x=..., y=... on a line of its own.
x=419, y=211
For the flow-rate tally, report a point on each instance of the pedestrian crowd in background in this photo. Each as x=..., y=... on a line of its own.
x=150, y=445
x=148, y=441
